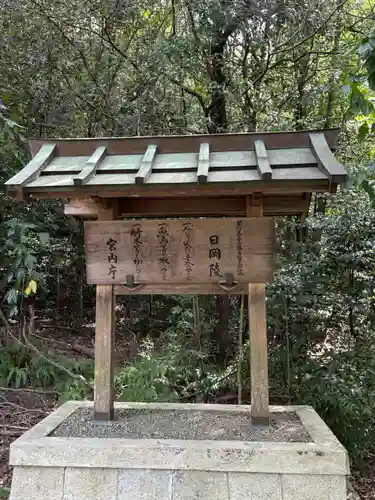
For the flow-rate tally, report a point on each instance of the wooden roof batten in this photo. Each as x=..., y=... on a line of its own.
x=326, y=160
x=145, y=169
x=32, y=169
x=281, y=163
x=203, y=162
x=92, y=164
x=263, y=163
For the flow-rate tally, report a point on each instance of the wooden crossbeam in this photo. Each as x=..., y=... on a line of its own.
x=92, y=164
x=188, y=207
x=33, y=169
x=145, y=169
x=327, y=163
x=203, y=163
x=85, y=207
x=180, y=289
x=263, y=163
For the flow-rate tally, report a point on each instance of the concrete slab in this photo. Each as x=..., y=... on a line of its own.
x=89, y=484
x=200, y=485
x=297, y=487
x=144, y=485
x=34, y=483
x=323, y=456
x=255, y=486
x=57, y=468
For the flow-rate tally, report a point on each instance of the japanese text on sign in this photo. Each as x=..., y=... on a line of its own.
x=112, y=257
x=180, y=251
x=215, y=254
x=136, y=234
x=163, y=238
x=187, y=229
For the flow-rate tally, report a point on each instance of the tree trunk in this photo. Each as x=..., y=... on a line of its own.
x=217, y=110
x=332, y=85
x=220, y=332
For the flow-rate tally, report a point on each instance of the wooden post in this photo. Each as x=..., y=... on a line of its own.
x=104, y=343
x=258, y=334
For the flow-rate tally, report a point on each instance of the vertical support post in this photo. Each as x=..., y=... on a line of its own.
x=258, y=334
x=104, y=343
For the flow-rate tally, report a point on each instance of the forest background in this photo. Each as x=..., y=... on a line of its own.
x=84, y=68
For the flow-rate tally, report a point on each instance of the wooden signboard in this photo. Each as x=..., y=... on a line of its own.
x=185, y=251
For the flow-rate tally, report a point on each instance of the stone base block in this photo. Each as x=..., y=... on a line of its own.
x=52, y=468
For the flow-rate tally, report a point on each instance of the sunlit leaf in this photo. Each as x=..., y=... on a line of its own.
x=33, y=286
x=363, y=131
x=146, y=14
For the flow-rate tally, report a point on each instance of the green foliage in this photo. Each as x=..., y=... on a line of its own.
x=20, y=367
x=148, y=378
x=341, y=388
x=367, y=52
x=19, y=262
x=4, y=492
x=172, y=372
x=362, y=86
x=368, y=185
x=198, y=67
x=322, y=319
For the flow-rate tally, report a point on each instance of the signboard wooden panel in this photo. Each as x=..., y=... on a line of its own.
x=185, y=251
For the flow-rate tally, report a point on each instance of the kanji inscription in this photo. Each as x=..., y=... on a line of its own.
x=112, y=257
x=180, y=251
x=163, y=239
x=136, y=234
x=239, y=247
x=188, y=230
x=215, y=254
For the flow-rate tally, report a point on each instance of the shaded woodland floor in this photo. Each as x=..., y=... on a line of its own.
x=20, y=409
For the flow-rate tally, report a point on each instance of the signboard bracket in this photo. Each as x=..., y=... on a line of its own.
x=228, y=282
x=130, y=283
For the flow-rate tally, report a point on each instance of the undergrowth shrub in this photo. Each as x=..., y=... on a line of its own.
x=341, y=388
x=21, y=367
x=175, y=369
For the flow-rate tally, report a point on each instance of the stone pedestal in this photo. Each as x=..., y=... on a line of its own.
x=55, y=468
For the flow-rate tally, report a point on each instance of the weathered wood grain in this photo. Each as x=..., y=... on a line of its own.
x=258, y=334
x=91, y=166
x=181, y=289
x=254, y=205
x=33, y=168
x=187, y=181
x=263, y=163
x=183, y=144
x=203, y=162
x=192, y=207
x=182, y=161
x=325, y=158
x=85, y=207
x=259, y=355
x=176, y=191
x=104, y=344
x=145, y=169
x=180, y=251
x=104, y=349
